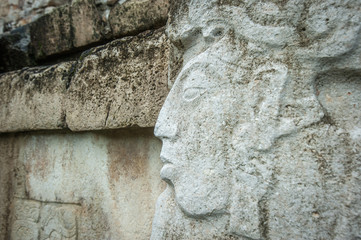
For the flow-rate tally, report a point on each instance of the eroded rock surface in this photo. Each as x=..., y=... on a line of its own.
x=261, y=129
x=8, y=156
x=71, y=28
x=120, y=84
x=100, y=185
x=131, y=17
x=33, y=98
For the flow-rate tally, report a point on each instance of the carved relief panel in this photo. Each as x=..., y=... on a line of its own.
x=254, y=145
x=35, y=220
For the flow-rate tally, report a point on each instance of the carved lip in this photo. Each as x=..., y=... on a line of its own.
x=167, y=171
x=165, y=160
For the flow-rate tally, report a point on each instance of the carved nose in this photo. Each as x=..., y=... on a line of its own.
x=165, y=127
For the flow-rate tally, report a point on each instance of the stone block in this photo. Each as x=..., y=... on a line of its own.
x=14, y=50
x=132, y=17
x=85, y=185
x=80, y=24
x=86, y=23
x=120, y=84
x=52, y=33
x=73, y=27
x=66, y=28
x=32, y=99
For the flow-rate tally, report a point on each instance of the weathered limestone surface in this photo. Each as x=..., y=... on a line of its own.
x=83, y=23
x=131, y=17
x=52, y=33
x=261, y=129
x=87, y=24
x=14, y=50
x=101, y=185
x=33, y=98
x=66, y=28
x=16, y=13
x=120, y=84
x=8, y=156
x=73, y=27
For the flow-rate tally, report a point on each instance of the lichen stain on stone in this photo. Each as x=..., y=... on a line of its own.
x=38, y=160
x=128, y=156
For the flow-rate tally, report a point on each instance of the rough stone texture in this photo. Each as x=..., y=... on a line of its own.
x=73, y=27
x=14, y=50
x=52, y=33
x=87, y=23
x=261, y=129
x=131, y=17
x=33, y=99
x=66, y=28
x=16, y=13
x=100, y=185
x=8, y=156
x=121, y=84
x=83, y=23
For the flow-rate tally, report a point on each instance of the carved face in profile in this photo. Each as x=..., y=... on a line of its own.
x=212, y=122
x=205, y=125
x=236, y=93
x=195, y=142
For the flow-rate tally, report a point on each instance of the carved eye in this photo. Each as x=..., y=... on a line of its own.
x=213, y=33
x=192, y=93
x=217, y=32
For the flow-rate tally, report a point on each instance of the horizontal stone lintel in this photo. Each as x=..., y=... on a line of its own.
x=117, y=85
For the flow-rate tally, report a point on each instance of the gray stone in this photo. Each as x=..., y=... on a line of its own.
x=117, y=85
x=87, y=23
x=14, y=50
x=261, y=129
x=133, y=17
x=73, y=27
x=8, y=156
x=66, y=28
x=52, y=33
x=86, y=185
x=17, y=13
x=121, y=84
x=33, y=99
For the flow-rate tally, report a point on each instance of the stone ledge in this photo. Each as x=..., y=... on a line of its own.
x=71, y=28
x=32, y=99
x=120, y=84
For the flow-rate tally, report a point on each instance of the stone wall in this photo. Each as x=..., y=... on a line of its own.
x=81, y=88
x=70, y=29
x=119, y=84
x=16, y=13
x=91, y=185
x=260, y=131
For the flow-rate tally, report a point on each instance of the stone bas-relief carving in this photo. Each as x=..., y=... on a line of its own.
x=41, y=220
x=89, y=185
x=261, y=129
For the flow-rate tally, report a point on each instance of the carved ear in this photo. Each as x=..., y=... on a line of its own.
x=275, y=110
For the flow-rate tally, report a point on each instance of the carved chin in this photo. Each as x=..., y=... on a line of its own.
x=201, y=202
